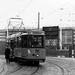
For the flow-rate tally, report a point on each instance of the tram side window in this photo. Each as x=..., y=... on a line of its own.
x=12, y=43
x=18, y=41
x=15, y=42
x=40, y=41
x=24, y=41
x=29, y=41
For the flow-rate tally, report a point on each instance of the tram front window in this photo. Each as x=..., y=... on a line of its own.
x=33, y=41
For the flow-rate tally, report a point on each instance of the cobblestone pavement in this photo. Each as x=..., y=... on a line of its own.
x=52, y=66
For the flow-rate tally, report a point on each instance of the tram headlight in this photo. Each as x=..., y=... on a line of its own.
x=37, y=55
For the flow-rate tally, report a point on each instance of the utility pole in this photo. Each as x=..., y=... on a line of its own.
x=60, y=29
x=38, y=20
x=7, y=31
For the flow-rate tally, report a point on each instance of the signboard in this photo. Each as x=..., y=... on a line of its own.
x=52, y=28
x=51, y=32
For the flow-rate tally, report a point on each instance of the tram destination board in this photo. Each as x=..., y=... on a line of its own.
x=52, y=28
x=51, y=32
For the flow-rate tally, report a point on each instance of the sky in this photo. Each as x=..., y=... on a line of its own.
x=52, y=12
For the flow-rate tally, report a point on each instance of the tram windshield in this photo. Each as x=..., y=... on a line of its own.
x=32, y=41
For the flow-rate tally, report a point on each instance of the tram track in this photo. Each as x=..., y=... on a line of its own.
x=51, y=66
x=23, y=70
x=66, y=67
x=69, y=66
x=35, y=71
x=14, y=70
x=31, y=70
x=58, y=68
x=2, y=69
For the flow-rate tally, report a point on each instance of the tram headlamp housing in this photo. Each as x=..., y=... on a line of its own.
x=37, y=55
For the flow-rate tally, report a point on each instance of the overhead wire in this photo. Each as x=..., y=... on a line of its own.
x=58, y=9
x=25, y=7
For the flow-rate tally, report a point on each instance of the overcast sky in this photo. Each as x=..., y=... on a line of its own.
x=50, y=13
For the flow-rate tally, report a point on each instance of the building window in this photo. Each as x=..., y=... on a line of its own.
x=66, y=37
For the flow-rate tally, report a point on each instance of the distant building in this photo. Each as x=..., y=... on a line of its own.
x=60, y=38
x=67, y=38
x=52, y=37
x=2, y=41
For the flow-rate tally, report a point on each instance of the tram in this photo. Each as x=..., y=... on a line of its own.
x=28, y=46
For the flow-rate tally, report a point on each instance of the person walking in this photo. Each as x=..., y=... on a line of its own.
x=11, y=57
x=7, y=54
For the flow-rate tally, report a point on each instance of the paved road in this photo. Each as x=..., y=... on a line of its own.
x=60, y=66
x=52, y=66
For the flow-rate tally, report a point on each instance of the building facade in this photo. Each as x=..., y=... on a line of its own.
x=67, y=38
x=60, y=38
x=52, y=37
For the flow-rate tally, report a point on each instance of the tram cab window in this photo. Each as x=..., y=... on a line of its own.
x=37, y=41
x=24, y=41
x=11, y=43
x=33, y=41
x=17, y=42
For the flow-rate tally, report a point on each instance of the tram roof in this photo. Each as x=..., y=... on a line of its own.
x=31, y=34
x=35, y=32
x=27, y=33
x=14, y=35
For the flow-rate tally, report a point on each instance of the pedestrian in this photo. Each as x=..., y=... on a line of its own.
x=11, y=57
x=7, y=54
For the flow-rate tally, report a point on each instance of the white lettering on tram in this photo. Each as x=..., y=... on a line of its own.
x=29, y=52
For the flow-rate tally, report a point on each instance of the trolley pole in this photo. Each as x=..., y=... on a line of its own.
x=38, y=20
x=7, y=32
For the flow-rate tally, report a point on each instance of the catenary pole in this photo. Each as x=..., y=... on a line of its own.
x=38, y=20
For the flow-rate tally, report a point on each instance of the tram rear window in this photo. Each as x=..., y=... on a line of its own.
x=32, y=41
